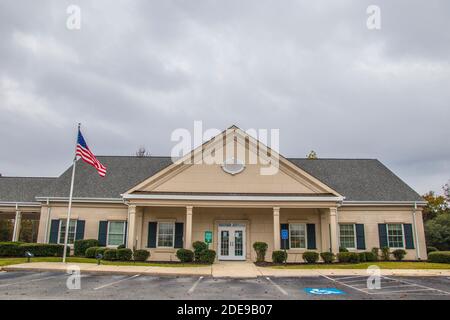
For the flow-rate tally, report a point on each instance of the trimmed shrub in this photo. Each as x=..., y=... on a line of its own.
x=100, y=250
x=376, y=252
x=185, y=255
x=43, y=249
x=432, y=249
x=10, y=249
x=141, y=255
x=362, y=256
x=370, y=256
x=310, y=256
x=110, y=254
x=261, y=249
x=279, y=256
x=327, y=257
x=342, y=249
x=199, y=247
x=122, y=246
x=208, y=256
x=439, y=257
x=385, y=254
x=90, y=252
x=399, y=254
x=124, y=254
x=80, y=246
x=348, y=257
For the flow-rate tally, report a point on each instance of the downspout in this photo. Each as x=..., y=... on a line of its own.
x=46, y=236
x=415, y=232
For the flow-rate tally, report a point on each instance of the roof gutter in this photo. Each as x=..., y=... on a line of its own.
x=226, y=198
x=22, y=204
x=384, y=203
x=80, y=200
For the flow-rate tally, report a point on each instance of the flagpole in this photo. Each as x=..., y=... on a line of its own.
x=66, y=235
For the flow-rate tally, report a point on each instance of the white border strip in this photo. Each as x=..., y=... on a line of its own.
x=225, y=197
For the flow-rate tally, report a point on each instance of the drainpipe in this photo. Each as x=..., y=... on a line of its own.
x=46, y=235
x=415, y=231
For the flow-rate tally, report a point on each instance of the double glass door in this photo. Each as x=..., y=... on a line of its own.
x=231, y=242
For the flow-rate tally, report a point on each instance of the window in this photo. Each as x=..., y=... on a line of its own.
x=395, y=235
x=347, y=236
x=166, y=234
x=116, y=233
x=62, y=231
x=297, y=235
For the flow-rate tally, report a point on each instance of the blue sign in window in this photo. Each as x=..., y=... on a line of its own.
x=284, y=234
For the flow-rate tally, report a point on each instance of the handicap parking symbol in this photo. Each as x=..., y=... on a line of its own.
x=323, y=291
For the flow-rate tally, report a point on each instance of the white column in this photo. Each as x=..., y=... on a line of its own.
x=324, y=236
x=333, y=230
x=17, y=223
x=188, y=233
x=131, y=227
x=276, y=228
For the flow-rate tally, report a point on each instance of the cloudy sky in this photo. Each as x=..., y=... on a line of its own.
x=137, y=70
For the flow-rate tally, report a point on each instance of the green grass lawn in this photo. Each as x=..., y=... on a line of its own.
x=10, y=261
x=365, y=265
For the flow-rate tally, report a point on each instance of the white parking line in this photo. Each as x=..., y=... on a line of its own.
x=344, y=284
x=346, y=278
x=191, y=290
x=418, y=285
x=277, y=286
x=115, y=282
x=28, y=281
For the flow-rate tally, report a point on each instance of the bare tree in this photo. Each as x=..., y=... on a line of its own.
x=142, y=152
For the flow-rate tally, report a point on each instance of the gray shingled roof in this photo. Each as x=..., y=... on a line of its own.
x=22, y=189
x=356, y=179
x=123, y=173
x=359, y=179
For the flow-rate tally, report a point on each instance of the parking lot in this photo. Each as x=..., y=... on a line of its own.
x=52, y=285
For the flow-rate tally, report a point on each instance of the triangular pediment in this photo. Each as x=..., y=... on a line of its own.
x=233, y=162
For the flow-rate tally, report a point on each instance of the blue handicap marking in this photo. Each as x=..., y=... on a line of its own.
x=323, y=291
x=284, y=234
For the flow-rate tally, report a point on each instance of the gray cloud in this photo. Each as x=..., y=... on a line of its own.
x=139, y=69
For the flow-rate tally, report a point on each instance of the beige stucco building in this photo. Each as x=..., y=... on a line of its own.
x=159, y=205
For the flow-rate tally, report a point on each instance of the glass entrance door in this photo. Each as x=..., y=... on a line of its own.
x=231, y=242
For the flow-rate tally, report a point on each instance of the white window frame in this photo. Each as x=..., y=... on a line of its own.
x=403, y=235
x=354, y=235
x=306, y=237
x=157, y=235
x=74, y=234
x=124, y=233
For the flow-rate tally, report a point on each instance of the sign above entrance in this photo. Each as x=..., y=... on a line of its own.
x=233, y=166
x=208, y=236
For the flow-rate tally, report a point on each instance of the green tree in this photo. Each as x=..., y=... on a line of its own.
x=437, y=232
x=436, y=205
x=312, y=155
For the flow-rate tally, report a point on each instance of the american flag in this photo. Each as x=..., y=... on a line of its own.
x=87, y=156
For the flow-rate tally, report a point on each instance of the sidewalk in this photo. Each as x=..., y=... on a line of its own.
x=232, y=269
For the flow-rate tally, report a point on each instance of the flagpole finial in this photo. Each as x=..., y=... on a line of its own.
x=79, y=125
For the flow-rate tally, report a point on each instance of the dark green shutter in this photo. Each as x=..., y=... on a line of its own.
x=284, y=244
x=125, y=238
x=151, y=238
x=382, y=234
x=311, y=234
x=360, y=237
x=80, y=230
x=54, y=230
x=179, y=230
x=409, y=240
x=102, y=232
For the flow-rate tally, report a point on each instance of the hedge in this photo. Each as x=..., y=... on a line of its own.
x=439, y=257
x=261, y=249
x=327, y=257
x=399, y=254
x=279, y=256
x=185, y=255
x=100, y=250
x=124, y=254
x=141, y=255
x=80, y=246
x=199, y=247
x=348, y=257
x=90, y=252
x=310, y=256
x=208, y=256
x=110, y=254
x=18, y=249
